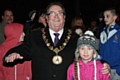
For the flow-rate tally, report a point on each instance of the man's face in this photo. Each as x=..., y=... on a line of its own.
x=109, y=18
x=8, y=16
x=55, y=18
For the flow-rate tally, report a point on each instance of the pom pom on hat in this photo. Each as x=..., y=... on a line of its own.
x=89, y=33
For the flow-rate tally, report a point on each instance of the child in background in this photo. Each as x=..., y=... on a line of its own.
x=110, y=43
x=20, y=70
x=78, y=21
x=86, y=65
x=78, y=30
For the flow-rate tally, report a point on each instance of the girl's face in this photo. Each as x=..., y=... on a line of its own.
x=86, y=53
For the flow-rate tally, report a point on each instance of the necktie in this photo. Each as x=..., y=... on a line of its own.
x=56, y=38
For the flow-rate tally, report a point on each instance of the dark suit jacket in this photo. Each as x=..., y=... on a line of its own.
x=42, y=66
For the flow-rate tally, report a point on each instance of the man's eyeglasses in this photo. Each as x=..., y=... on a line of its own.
x=52, y=13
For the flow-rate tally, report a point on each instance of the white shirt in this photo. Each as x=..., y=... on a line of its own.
x=52, y=34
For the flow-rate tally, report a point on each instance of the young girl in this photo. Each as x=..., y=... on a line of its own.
x=20, y=70
x=86, y=65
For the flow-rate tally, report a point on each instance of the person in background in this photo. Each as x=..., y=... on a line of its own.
x=78, y=30
x=7, y=17
x=86, y=66
x=37, y=23
x=29, y=22
x=110, y=43
x=32, y=15
x=77, y=21
x=94, y=27
x=118, y=19
x=42, y=17
x=19, y=70
x=49, y=48
x=101, y=24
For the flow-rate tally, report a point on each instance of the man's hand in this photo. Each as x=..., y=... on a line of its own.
x=12, y=57
x=106, y=69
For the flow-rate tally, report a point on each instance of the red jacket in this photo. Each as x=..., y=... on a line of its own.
x=19, y=71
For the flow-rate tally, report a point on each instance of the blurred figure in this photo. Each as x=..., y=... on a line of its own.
x=101, y=16
x=19, y=70
x=101, y=24
x=78, y=30
x=93, y=27
x=41, y=17
x=77, y=21
x=31, y=16
x=38, y=22
x=118, y=19
x=7, y=17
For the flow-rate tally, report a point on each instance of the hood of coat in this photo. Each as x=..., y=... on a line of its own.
x=12, y=33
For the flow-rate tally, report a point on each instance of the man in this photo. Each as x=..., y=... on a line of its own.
x=7, y=18
x=49, y=61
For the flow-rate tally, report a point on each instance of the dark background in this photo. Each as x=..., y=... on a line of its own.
x=87, y=9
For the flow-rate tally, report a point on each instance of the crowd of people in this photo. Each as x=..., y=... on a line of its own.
x=45, y=49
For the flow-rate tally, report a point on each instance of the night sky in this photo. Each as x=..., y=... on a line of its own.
x=88, y=9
